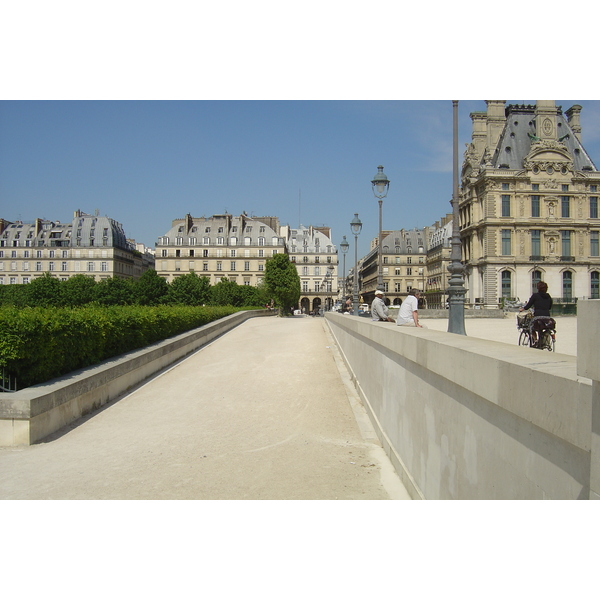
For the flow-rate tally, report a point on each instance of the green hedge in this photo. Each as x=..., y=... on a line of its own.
x=38, y=344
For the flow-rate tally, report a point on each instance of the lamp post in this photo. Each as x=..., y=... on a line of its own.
x=456, y=289
x=355, y=226
x=344, y=248
x=380, y=184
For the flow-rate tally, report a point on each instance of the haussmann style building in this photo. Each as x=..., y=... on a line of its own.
x=91, y=245
x=237, y=248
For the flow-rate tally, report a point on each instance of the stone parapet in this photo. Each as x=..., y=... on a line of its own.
x=465, y=418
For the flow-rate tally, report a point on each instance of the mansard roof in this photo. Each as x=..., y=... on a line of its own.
x=405, y=241
x=520, y=136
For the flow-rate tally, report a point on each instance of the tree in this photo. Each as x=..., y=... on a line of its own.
x=189, y=289
x=226, y=293
x=282, y=282
x=150, y=289
x=78, y=290
x=114, y=291
x=44, y=291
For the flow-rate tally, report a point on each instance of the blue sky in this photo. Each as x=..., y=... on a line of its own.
x=145, y=163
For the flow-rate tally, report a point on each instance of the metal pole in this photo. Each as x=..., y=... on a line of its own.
x=355, y=291
x=379, y=252
x=456, y=289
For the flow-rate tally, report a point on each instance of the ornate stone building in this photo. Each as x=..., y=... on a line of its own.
x=529, y=205
x=237, y=248
x=404, y=254
x=316, y=259
x=221, y=246
x=438, y=260
x=90, y=245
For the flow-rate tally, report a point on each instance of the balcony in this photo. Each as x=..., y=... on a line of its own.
x=567, y=259
x=536, y=258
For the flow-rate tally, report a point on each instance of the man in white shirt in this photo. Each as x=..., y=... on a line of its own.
x=408, y=315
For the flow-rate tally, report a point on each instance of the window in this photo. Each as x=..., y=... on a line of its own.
x=103, y=266
x=594, y=243
x=409, y=270
x=535, y=242
x=205, y=266
x=63, y=266
x=305, y=271
x=535, y=206
x=536, y=277
x=505, y=205
x=535, y=187
x=595, y=285
x=232, y=253
x=261, y=267
x=506, y=245
x=90, y=266
x=506, y=284
x=246, y=265
x=566, y=243
x=305, y=286
x=397, y=287
x=593, y=188
x=38, y=266
x=232, y=265
x=565, y=206
x=565, y=188
x=317, y=271
x=593, y=207
x=219, y=265
x=567, y=285
x=261, y=241
x=505, y=186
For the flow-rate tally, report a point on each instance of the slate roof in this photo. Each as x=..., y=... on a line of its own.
x=519, y=132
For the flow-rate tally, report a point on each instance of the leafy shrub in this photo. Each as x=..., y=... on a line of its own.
x=38, y=344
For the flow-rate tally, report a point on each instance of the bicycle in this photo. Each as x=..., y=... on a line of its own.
x=544, y=327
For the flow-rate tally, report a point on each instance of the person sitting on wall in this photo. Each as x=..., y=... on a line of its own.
x=379, y=311
x=408, y=315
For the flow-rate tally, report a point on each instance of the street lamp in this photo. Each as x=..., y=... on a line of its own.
x=344, y=248
x=456, y=289
x=355, y=226
x=380, y=186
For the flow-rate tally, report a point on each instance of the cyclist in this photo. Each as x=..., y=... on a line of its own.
x=541, y=302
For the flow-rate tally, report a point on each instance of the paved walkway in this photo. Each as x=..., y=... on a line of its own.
x=261, y=413
x=505, y=330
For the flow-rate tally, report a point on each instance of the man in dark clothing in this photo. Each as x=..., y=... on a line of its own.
x=541, y=302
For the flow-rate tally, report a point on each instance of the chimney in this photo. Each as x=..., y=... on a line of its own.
x=479, y=136
x=496, y=117
x=573, y=115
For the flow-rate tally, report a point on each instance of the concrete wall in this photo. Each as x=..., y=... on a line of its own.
x=32, y=414
x=463, y=418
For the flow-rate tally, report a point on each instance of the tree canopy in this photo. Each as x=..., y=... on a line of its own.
x=282, y=282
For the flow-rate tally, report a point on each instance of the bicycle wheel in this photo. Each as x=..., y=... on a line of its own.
x=524, y=338
x=547, y=343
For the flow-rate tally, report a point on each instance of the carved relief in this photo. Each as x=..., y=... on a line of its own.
x=580, y=208
x=550, y=184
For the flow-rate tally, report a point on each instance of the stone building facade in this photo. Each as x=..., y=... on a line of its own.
x=529, y=205
x=316, y=260
x=237, y=248
x=90, y=245
x=221, y=246
x=404, y=265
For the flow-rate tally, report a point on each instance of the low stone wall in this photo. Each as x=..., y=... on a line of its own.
x=464, y=418
x=34, y=413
